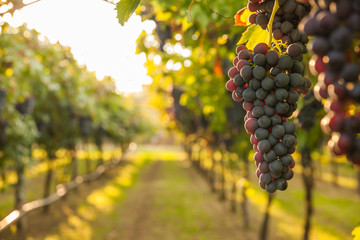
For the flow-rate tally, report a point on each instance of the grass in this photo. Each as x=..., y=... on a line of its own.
x=168, y=200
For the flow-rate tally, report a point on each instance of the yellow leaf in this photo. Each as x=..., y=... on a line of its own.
x=356, y=233
x=242, y=17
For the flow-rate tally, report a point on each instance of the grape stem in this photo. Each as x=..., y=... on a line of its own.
x=271, y=21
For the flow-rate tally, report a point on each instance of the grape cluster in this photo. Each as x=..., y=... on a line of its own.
x=269, y=84
x=286, y=19
x=335, y=26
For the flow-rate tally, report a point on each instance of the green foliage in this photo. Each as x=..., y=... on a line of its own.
x=125, y=9
x=67, y=104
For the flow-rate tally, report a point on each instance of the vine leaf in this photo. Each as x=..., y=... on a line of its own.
x=356, y=233
x=242, y=17
x=125, y=9
x=253, y=35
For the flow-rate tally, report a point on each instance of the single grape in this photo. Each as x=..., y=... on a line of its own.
x=282, y=107
x=249, y=95
x=269, y=111
x=265, y=178
x=280, y=149
x=264, y=146
x=264, y=121
x=275, y=120
x=271, y=100
x=282, y=80
x=251, y=125
x=286, y=160
x=264, y=167
x=246, y=73
x=272, y=58
x=260, y=59
x=261, y=133
x=288, y=140
x=270, y=156
x=268, y=83
x=273, y=140
x=261, y=93
x=271, y=187
x=286, y=62
x=259, y=72
x=254, y=83
x=278, y=131
x=281, y=94
x=281, y=184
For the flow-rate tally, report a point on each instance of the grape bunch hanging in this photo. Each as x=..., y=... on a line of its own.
x=269, y=81
x=269, y=84
x=335, y=26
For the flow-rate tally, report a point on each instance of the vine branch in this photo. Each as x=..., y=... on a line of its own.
x=271, y=21
x=108, y=1
x=208, y=6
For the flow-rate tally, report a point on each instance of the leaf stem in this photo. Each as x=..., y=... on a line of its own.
x=271, y=21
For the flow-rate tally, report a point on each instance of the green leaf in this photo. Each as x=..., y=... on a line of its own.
x=254, y=35
x=125, y=9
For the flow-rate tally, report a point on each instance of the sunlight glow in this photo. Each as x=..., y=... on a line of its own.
x=91, y=29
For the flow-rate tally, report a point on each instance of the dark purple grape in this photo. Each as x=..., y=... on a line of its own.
x=289, y=127
x=296, y=80
x=264, y=121
x=320, y=46
x=294, y=50
x=254, y=83
x=286, y=27
x=271, y=100
x=276, y=166
x=282, y=107
x=272, y=57
x=264, y=146
x=258, y=111
x=280, y=149
x=259, y=72
x=265, y=178
x=351, y=72
x=282, y=79
x=270, y=156
x=264, y=167
x=281, y=94
x=286, y=62
x=273, y=140
x=275, y=120
x=281, y=184
x=278, y=131
x=238, y=80
x=269, y=111
x=341, y=38
x=249, y=95
x=261, y=93
x=286, y=160
x=260, y=59
x=288, y=140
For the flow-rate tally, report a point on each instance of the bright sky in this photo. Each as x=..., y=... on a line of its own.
x=91, y=29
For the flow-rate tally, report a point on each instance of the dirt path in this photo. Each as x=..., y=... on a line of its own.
x=171, y=201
